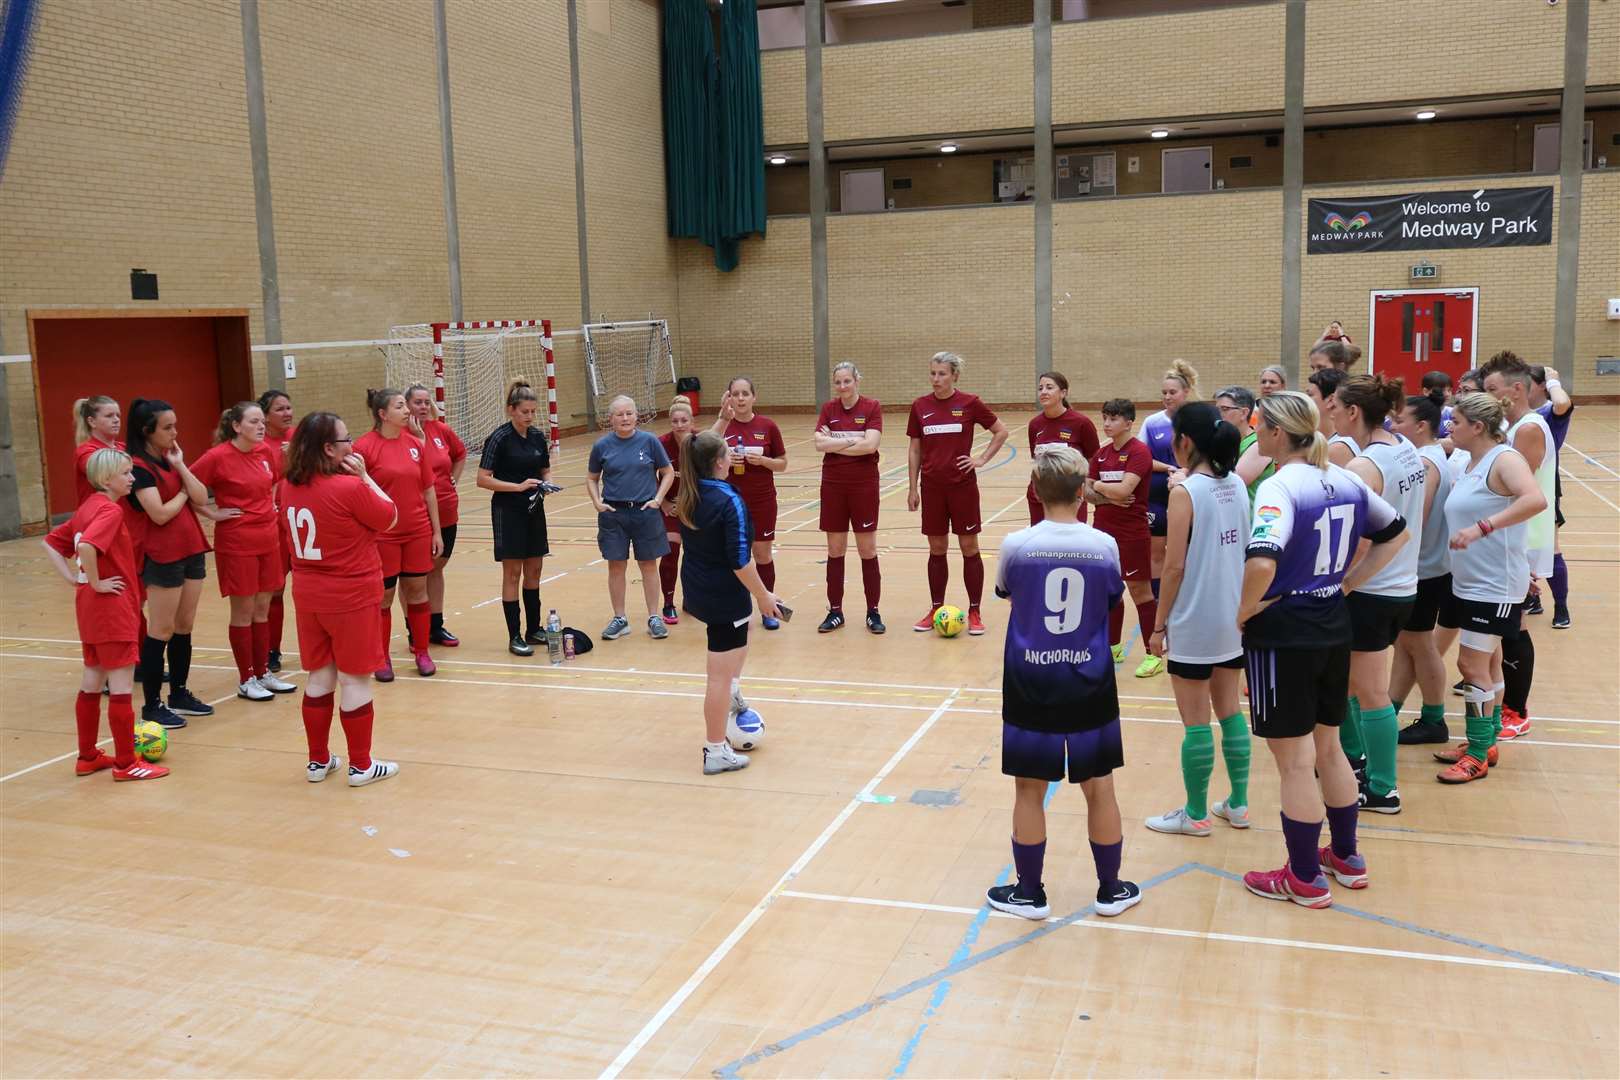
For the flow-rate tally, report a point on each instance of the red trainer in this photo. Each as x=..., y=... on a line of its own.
x=1453, y=754
x=1283, y=885
x=424, y=664
x=1513, y=725
x=975, y=623
x=101, y=761
x=1351, y=872
x=1466, y=769
x=141, y=770
x=926, y=623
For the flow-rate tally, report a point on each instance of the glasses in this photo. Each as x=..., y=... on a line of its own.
x=343, y=440
x=1232, y=408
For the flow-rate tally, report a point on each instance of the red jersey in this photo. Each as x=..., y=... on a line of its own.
x=444, y=449
x=334, y=522
x=245, y=480
x=103, y=617
x=673, y=449
x=1110, y=465
x=81, y=461
x=865, y=415
x=1069, y=428
x=759, y=437
x=945, y=427
x=400, y=467
x=178, y=538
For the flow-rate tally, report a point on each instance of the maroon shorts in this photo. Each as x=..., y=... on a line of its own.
x=111, y=655
x=950, y=508
x=672, y=527
x=1135, y=558
x=350, y=639
x=410, y=557
x=248, y=575
x=849, y=507
x=1037, y=513
x=762, y=514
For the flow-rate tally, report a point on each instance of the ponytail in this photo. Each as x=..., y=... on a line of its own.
x=229, y=419
x=376, y=401
x=1316, y=451
x=1426, y=410
x=84, y=411
x=698, y=455
x=1214, y=441
x=1374, y=395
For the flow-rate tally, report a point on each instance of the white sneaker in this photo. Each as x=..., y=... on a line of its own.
x=380, y=770
x=276, y=686
x=722, y=760
x=1235, y=816
x=253, y=691
x=1178, y=821
x=315, y=772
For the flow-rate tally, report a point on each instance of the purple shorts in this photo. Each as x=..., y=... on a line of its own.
x=1043, y=755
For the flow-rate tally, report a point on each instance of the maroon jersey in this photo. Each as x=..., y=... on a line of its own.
x=400, y=467
x=865, y=415
x=103, y=617
x=1110, y=465
x=1069, y=428
x=244, y=480
x=444, y=449
x=672, y=449
x=334, y=522
x=945, y=427
x=759, y=437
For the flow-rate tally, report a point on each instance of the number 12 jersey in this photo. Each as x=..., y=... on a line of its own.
x=334, y=521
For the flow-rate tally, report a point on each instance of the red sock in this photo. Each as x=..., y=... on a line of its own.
x=242, y=649
x=939, y=576
x=767, y=574
x=669, y=571
x=261, y=648
x=872, y=580
x=835, y=582
x=277, y=614
x=121, y=719
x=973, y=577
x=419, y=617
x=318, y=725
x=357, y=731
x=87, y=714
x=1116, y=621
x=1145, y=615
x=387, y=616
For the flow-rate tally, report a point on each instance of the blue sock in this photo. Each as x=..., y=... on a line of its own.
x=1342, y=829
x=1107, y=858
x=1029, y=859
x=1560, y=584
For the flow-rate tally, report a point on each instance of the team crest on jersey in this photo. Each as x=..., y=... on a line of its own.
x=760, y=435
x=860, y=419
x=415, y=454
x=957, y=412
x=266, y=465
x=1268, y=514
x=438, y=442
x=1064, y=434
x=1262, y=531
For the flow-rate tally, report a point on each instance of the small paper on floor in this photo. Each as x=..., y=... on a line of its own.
x=882, y=799
x=399, y=853
x=369, y=830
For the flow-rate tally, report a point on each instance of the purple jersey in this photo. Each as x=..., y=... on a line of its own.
x=1057, y=672
x=1445, y=422
x=1558, y=425
x=1310, y=521
x=1159, y=434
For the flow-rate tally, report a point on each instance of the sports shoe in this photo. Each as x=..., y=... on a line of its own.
x=1283, y=885
x=874, y=622
x=618, y=628
x=268, y=681
x=1150, y=666
x=163, y=715
x=184, y=702
x=833, y=621
x=926, y=623
x=1180, y=822
x=671, y=616
x=425, y=667
x=1371, y=801
x=141, y=770
x=1351, y=872
x=380, y=770
x=518, y=647
x=275, y=661
x=656, y=627
x=315, y=772
x=386, y=672
x=1560, y=620
x=975, y=622
x=1420, y=732
x=1467, y=768
x=101, y=761
x=1118, y=652
x=1118, y=899
x=1532, y=604
x=537, y=636
x=254, y=692
x=1457, y=687
x=1358, y=765
x=1453, y=754
x=443, y=636
x=1235, y=816
x=1513, y=725
x=725, y=759
x=1016, y=900
x=769, y=623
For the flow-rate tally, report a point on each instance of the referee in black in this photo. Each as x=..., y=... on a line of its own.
x=515, y=462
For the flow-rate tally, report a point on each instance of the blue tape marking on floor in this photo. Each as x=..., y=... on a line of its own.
x=1442, y=935
x=732, y=1069
x=1012, y=452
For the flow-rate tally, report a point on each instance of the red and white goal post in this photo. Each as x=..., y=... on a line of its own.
x=470, y=365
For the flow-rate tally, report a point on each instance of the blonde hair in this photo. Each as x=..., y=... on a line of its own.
x=84, y=411
x=1295, y=414
x=1185, y=374
x=682, y=402
x=954, y=362
x=698, y=457
x=518, y=393
x=849, y=366
x=1058, y=474
x=104, y=465
x=1478, y=407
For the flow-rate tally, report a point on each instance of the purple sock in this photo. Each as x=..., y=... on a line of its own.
x=1559, y=582
x=1029, y=858
x=1107, y=859
x=1153, y=583
x=1302, y=839
x=1342, y=827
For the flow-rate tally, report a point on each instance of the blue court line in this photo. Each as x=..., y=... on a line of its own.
x=732, y=1068
x=1012, y=452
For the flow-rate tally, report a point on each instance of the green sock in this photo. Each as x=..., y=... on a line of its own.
x=1432, y=714
x=1383, y=732
x=1197, y=763
x=1350, y=736
x=1496, y=724
x=1480, y=734
x=1235, y=750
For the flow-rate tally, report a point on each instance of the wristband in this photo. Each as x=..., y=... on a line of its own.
x=1485, y=526
x=1554, y=384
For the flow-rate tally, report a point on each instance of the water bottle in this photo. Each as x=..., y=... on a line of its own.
x=554, y=643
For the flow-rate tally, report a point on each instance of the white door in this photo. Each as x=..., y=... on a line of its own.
x=861, y=189
x=1187, y=170
x=1547, y=149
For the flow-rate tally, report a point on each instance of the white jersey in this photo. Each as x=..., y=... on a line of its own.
x=1402, y=487
x=1202, y=628
x=1434, y=551
x=1493, y=568
x=1355, y=448
x=1457, y=463
x=1538, y=539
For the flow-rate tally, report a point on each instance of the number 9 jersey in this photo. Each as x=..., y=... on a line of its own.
x=334, y=521
x=1058, y=673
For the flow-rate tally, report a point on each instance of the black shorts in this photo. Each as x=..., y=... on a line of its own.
x=172, y=575
x=1291, y=691
x=1376, y=621
x=1558, y=499
x=447, y=536
x=519, y=533
x=1481, y=617
x=1202, y=672
x=1158, y=518
x=1047, y=755
x=1431, y=594
x=724, y=636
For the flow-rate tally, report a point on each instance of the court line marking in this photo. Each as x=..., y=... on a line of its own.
x=720, y=952
x=1590, y=460
x=1595, y=493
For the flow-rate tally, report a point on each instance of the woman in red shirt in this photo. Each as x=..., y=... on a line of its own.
x=108, y=610
x=278, y=430
x=847, y=435
x=669, y=567
x=1057, y=424
x=447, y=454
x=96, y=424
x=757, y=451
x=241, y=472
x=337, y=517
x=399, y=463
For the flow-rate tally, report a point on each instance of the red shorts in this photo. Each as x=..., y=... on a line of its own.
x=1037, y=513
x=247, y=575
x=111, y=655
x=284, y=552
x=1135, y=558
x=762, y=513
x=410, y=556
x=350, y=639
x=950, y=508
x=849, y=507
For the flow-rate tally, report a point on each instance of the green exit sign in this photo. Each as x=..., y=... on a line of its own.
x=1423, y=271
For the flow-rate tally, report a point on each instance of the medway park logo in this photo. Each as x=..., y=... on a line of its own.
x=1336, y=222
x=1353, y=231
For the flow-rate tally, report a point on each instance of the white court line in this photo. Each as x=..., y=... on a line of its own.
x=1598, y=495
x=1202, y=935
x=1592, y=460
x=676, y=1000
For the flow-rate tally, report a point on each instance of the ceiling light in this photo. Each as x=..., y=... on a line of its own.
x=1160, y=133
x=1426, y=114
x=779, y=159
x=948, y=148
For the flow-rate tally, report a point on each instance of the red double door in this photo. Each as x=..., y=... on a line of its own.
x=1414, y=333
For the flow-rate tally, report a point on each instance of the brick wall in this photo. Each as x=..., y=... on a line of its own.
x=781, y=77
x=1595, y=334
x=947, y=84
x=988, y=13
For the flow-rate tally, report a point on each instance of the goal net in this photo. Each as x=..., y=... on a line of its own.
x=633, y=359
x=469, y=366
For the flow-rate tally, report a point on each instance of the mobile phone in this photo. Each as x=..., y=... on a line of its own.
x=786, y=612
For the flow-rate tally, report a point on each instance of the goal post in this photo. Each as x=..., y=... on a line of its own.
x=469, y=366
x=630, y=359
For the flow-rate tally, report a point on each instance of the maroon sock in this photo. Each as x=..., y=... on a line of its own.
x=669, y=571
x=318, y=725
x=835, y=583
x=872, y=580
x=357, y=732
x=242, y=650
x=261, y=648
x=973, y=577
x=939, y=576
x=1302, y=839
x=1342, y=828
x=419, y=617
x=121, y=719
x=1145, y=615
x=767, y=574
x=1116, y=621
x=87, y=717
x=278, y=614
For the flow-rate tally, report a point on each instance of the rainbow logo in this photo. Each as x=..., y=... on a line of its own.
x=1337, y=222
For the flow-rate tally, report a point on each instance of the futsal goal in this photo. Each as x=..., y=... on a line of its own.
x=469, y=366
x=630, y=359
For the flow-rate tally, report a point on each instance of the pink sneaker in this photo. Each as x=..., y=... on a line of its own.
x=1351, y=872
x=424, y=664
x=1283, y=885
x=386, y=672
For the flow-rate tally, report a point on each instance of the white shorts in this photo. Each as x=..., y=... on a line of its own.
x=1541, y=561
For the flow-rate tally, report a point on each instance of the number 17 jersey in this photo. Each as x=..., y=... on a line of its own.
x=1057, y=671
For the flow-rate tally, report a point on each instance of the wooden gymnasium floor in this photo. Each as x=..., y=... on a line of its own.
x=551, y=887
